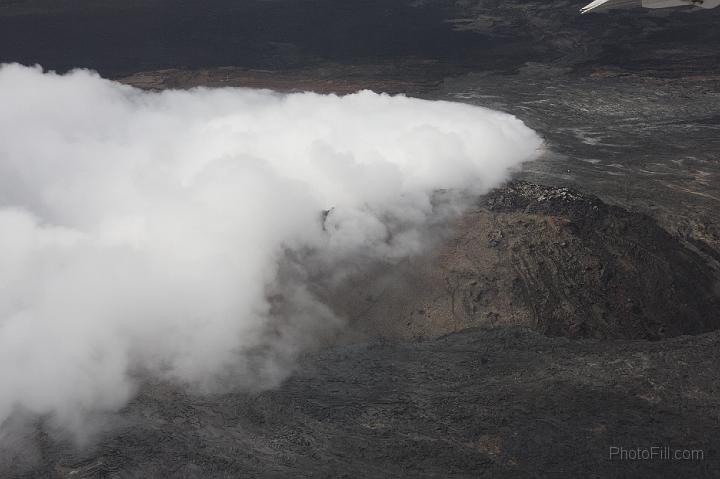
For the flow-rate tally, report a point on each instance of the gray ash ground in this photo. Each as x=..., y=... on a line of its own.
x=553, y=324
x=646, y=143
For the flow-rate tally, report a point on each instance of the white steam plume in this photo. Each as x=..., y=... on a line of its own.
x=142, y=232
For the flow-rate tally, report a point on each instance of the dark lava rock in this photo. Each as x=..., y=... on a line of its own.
x=538, y=408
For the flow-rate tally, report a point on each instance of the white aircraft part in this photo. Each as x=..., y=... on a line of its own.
x=709, y=4
x=608, y=4
x=665, y=3
x=600, y=5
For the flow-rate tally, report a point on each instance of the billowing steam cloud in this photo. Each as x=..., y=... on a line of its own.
x=142, y=233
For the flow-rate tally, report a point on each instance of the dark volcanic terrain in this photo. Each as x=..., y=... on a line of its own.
x=505, y=402
x=572, y=310
x=546, y=258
